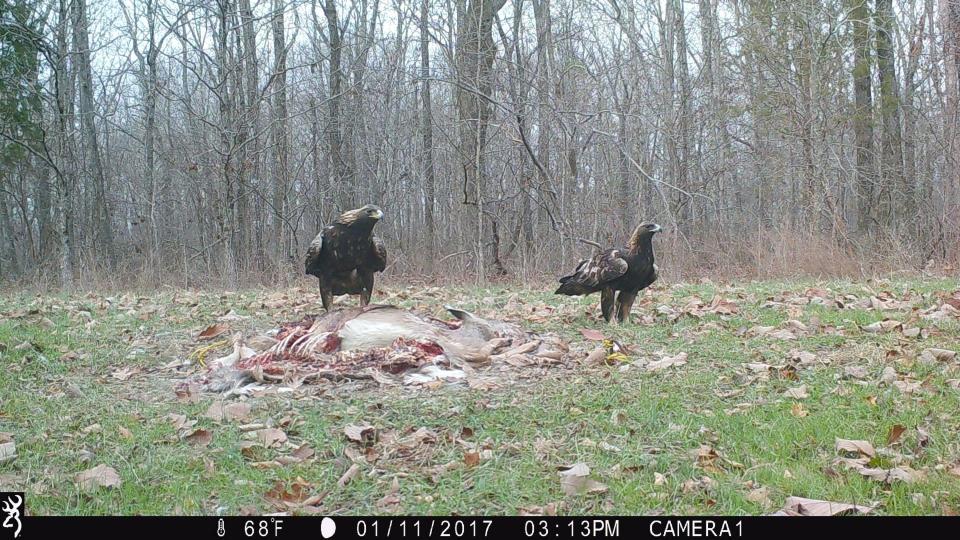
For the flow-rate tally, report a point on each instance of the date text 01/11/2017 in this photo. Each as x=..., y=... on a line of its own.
x=443, y=528
x=482, y=528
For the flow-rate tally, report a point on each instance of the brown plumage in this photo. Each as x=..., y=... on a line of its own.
x=345, y=255
x=617, y=273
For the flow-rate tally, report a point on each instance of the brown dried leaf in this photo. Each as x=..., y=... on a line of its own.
x=760, y=495
x=596, y=356
x=231, y=411
x=593, y=335
x=896, y=431
x=471, y=459
x=124, y=374
x=296, y=495
x=932, y=356
x=799, y=392
x=97, y=477
x=199, y=437
x=888, y=476
x=668, y=361
x=364, y=434
x=855, y=447
x=575, y=480
x=799, y=506
x=213, y=331
x=271, y=437
x=545, y=510
x=392, y=498
x=797, y=410
x=349, y=475
x=303, y=452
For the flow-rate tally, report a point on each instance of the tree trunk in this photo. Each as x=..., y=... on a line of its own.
x=426, y=127
x=894, y=189
x=342, y=177
x=281, y=136
x=863, y=116
x=950, y=21
x=475, y=54
x=101, y=216
x=63, y=81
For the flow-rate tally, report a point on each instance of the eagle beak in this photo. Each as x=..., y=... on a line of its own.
x=378, y=215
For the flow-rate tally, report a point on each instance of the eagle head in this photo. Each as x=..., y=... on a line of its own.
x=366, y=215
x=643, y=231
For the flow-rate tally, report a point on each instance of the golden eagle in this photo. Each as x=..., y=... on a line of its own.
x=618, y=270
x=346, y=254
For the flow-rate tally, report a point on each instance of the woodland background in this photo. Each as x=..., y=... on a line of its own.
x=206, y=142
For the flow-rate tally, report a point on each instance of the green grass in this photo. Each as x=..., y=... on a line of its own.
x=532, y=425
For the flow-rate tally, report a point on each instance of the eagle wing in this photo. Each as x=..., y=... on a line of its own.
x=313, y=261
x=593, y=273
x=378, y=254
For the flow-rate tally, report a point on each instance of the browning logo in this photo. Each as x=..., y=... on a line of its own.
x=11, y=504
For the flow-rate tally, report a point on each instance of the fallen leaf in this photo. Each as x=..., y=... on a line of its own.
x=596, y=356
x=97, y=477
x=392, y=498
x=575, y=480
x=471, y=459
x=760, y=495
x=907, y=387
x=199, y=437
x=349, y=475
x=124, y=374
x=855, y=372
x=231, y=411
x=271, y=436
x=659, y=479
x=855, y=447
x=888, y=476
x=799, y=506
x=213, y=331
x=886, y=325
x=932, y=356
x=364, y=434
x=180, y=421
x=295, y=495
x=303, y=452
x=668, y=361
x=797, y=410
x=545, y=510
x=593, y=335
x=799, y=392
x=888, y=376
x=896, y=431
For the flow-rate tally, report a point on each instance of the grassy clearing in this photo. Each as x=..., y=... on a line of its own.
x=62, y=401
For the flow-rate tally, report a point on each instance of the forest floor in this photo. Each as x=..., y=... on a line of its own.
x=732, y=399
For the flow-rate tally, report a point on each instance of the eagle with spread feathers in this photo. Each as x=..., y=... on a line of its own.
x=618, y=273
x=346, y=255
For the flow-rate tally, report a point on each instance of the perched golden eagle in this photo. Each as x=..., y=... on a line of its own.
x=623, y=272
x=346, y=254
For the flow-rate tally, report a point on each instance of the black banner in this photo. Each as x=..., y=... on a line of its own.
x=286, y=527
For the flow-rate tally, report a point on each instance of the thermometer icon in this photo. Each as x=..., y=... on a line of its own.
x=221, y=532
